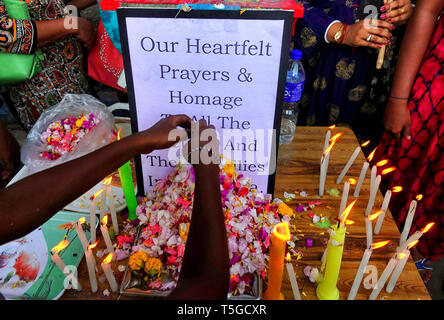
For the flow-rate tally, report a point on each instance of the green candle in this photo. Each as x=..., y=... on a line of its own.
x=126, y=179
x=327, y=289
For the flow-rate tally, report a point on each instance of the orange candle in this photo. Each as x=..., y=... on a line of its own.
x=279, y=238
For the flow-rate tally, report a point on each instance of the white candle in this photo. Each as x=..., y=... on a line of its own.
x=103, y=202
x=384, y=207
x=110, y=196
x=327, y=140
x=397, y=272
x=368, y=231
x=91, y=263
x=383, y=278
x=361, y=178
x=58, y=261
x=348, y=165
x=323, y=175
x=293, y=281
x=106, y=267
x=373, y=192
x=105, y=234
x=92, y=215
x=408, y=222
x=81, y=233
x=344, y=198
x=360, y=274
x=373, y=173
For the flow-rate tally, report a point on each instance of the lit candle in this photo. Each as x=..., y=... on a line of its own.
x=103, y=200
x=91, y=263
x=292, y=277
x=105, y=234
x=373, y=191
x=408, y=222
x=81, y=233
x=416, y=236
x=397, y=271
x=361, y=178
x=327, y=289
x=344, y=198
x=368, y=231
x=384, y=276
x=362, y=266
x=324, y=163
x=348, y=165
x=55, y=256
x=279, y=238
x=384, y=207
x=126, y=179
x=92, y=215
x=112, y=209
x=106, y=267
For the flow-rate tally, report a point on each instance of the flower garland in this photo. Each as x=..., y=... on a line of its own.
x=165, y=214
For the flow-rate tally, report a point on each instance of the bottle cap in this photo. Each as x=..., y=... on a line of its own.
x=296, y=54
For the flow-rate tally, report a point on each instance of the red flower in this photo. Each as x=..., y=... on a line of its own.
x=27, y=266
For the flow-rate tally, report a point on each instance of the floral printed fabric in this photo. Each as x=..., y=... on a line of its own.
x=62, y=68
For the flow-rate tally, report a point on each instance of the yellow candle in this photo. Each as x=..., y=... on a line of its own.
x=279, y=238
x=327, y=289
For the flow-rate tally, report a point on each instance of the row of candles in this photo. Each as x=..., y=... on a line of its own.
x=107, y=196
x=331, y=260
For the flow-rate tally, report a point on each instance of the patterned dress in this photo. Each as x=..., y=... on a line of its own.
x=62, y=68
x=342, y=84
x=420, y=161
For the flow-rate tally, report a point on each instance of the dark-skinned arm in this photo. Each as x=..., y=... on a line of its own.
x=205, y=271
x=416, y=39
x=30, y=202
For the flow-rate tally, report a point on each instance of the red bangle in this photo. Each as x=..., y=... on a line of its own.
x=343, y=34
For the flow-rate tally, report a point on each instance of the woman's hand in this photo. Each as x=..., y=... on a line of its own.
x=158, y=136
x=85, y=32
x=397, y=118
x=397, y=11
x=368, y=33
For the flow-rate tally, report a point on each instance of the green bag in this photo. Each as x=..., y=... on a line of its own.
x=16, y=67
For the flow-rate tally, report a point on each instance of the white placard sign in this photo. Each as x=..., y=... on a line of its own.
x=226, y=71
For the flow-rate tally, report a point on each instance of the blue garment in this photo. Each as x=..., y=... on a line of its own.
x=342, y=82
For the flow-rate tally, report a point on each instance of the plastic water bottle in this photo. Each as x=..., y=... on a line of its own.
x=293, y=91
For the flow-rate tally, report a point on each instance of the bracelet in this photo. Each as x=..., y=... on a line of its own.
x=343, y=34
x=398, y=98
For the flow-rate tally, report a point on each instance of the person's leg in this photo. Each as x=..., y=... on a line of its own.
x=424, y=266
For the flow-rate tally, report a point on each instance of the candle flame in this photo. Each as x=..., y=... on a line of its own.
x=332, y=127
x=371, y=155
x=282, y=231
x=365, y=144
x=397, y=189
x=333, y=140
x=382, y=163
x=388, y=170
x=105, y=219
x=108, y=258
x=419, y=197
x=288, y=257
x=352, y=181
x=380, y=244
x=93, y=245
x=347, y=211
x=82, y=220
x=375, y=215
x=96, y=194
x=349, y=222
x=412, y=244
x=118, y=134
x=62, y=245
x=427, y=227
x=401, y=256
x=107, y=180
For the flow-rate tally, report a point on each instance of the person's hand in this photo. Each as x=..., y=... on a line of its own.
x=397, y=118
x=158, y=136
x=368, y=33
x=9, y=153
x=397, y=11
x=85, y=32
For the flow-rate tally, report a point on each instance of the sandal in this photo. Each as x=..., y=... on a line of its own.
x=422, y=265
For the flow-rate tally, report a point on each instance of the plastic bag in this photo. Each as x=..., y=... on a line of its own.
x=72, y=105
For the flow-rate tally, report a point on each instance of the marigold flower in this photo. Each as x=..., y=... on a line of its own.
x=137, y=260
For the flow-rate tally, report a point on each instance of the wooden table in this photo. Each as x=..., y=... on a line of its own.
x=298, y=170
